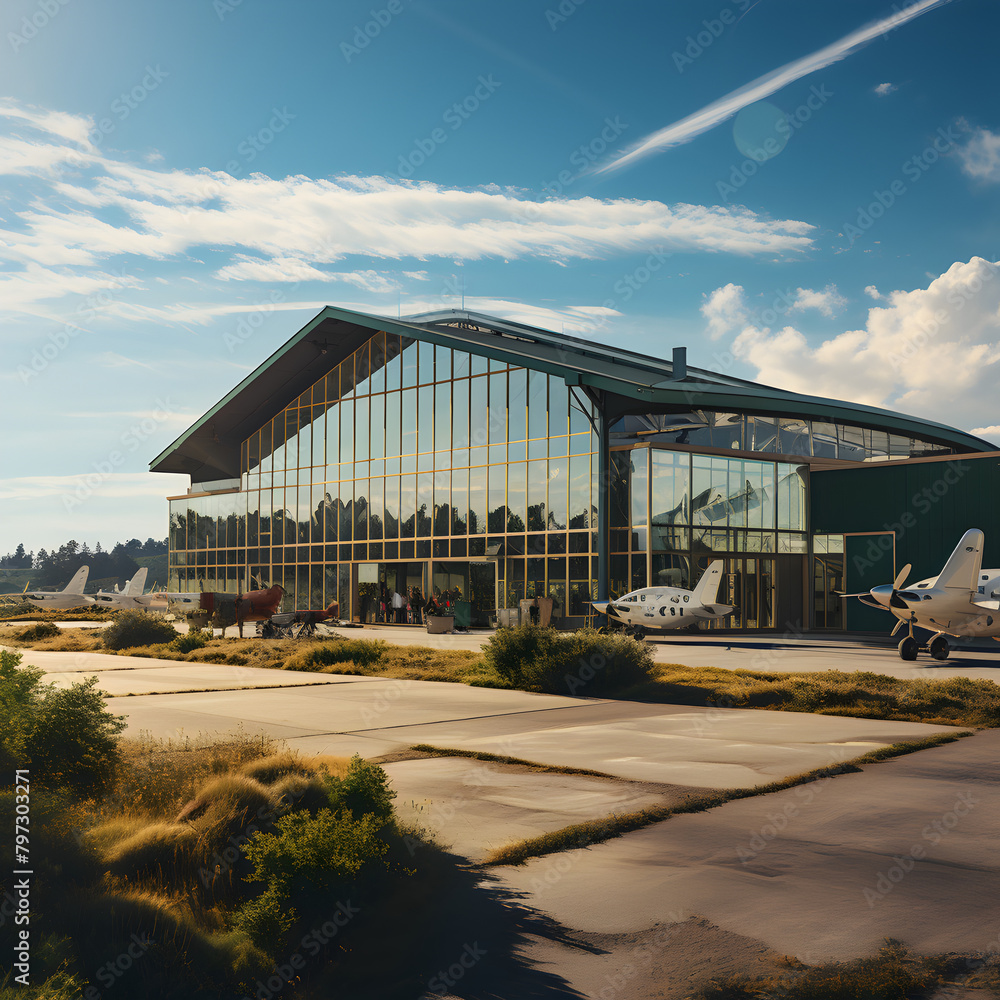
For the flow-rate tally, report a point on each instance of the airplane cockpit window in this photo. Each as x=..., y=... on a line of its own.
x=687, y=597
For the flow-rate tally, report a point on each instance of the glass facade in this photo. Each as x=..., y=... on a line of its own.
x=408, y=455
x=673, y=512
x=413, y=465
x=772, y=435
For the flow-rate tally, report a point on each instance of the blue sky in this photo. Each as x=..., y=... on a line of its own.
x=792, y=193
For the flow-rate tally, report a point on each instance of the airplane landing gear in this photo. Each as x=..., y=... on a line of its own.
x=940, y=648
x=908, y=648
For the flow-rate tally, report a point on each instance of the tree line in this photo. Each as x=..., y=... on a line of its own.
x=60, y=564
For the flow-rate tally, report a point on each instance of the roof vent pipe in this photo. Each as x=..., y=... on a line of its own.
x=680, y=364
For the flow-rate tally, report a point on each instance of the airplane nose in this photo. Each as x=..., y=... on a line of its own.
x=882, y=594
x=600, y=608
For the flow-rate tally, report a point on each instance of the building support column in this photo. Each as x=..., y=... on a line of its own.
x=603, y=501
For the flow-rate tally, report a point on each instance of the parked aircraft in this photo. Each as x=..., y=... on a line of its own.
x=71, y=596
x=130, y=597
x=961, y=601
x=663, y=608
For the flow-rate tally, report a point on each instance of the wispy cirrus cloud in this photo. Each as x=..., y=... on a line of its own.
x=721, y=110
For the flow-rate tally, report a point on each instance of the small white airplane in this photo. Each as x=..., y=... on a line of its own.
x=131, y=597
x=963, y=600
x=71, y=596
x=662, y=608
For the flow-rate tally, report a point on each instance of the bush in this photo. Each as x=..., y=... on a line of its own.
x=309, y=860
x=586, y=663
x=509, y=651
x=364, y=790
x=66, y=736
x=43, y=630
x=270, y=769
x=363, y=652
x=188, y=641
x=137, y=628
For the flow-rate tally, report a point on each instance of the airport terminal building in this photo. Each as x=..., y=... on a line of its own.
x=457, y=451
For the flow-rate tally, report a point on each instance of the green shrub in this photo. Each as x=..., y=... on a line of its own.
x=188, y=641
x=309, y=860
x=510, y=651
x=137, y=628
x=43, y=630
x=586, y=662
x=363, y=652
x=66, y=736
x=16, y=609
x=364, y=790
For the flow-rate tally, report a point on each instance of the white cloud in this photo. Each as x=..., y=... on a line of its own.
x=931, y=351
x=884, y=89
x=764, y=86
x=990, y=433
x=827, y=301
x=980, y=156
x=872, y=292
x=725, y=310
x=88, y=208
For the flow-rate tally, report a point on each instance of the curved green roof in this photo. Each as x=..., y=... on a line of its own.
x=210, y=448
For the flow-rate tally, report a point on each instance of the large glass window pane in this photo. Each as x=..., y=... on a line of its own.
x=407, y=506
x=442, y=416
x=347, y=378
x=792, y=497
x=556, y=582
x=497, y=499
x=558, y=406
x=556, y=517
x=579, y=491
x=392, y=408
x=425, y=363
x=376, y=427
x=409, y=362
x=477, y=501
x=621, y=466
x=670, y=484
x=498, y=408
x=362, y=370
x=537, y=483
x=442, y=364
x=460, y=414
x=442, y=504
x=460, y=362
x=377, y=348
x=425, y=504
x=517, y=479
x=479, y=426
x=347, y=431
x=537, y=404
x=517, y=412
x=425, y=417
x=640, y=481
x=408, y=431
x=393, y=363
x=362, y=434
x=824, y=440
x=376, y=508
x=391, y=519
x=460, y=501
x=346, y=529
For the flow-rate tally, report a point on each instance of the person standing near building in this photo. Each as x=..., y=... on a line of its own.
x=398, y=607
x=417, y=604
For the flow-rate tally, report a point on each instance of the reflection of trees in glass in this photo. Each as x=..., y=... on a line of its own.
x=423, y=523
x=553, y=524
x=536, y=517
x=514, y=522
x=496, y=519
x=442, y=519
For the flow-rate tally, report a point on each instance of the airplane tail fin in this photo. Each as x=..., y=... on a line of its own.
x=137, y=584
x=79, y=581
x=708, y=586
x=961, y=571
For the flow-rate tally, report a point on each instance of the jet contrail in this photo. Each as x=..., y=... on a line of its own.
x=712, y=114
